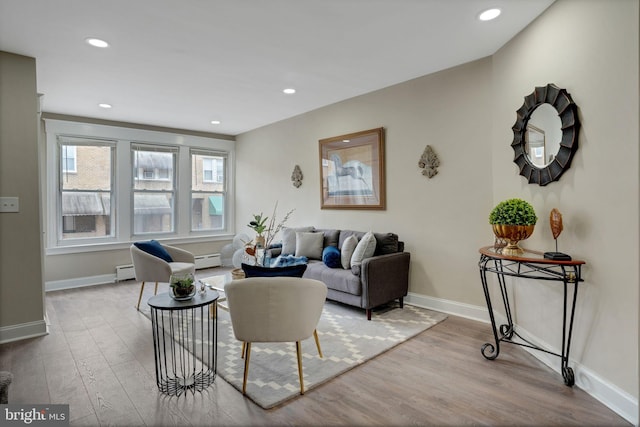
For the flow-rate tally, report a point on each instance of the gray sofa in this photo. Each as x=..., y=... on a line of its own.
x=376, y=280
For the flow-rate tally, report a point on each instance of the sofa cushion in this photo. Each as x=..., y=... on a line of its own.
x=154, y=248
x=365, y=249
x=386, y=243
x=309, y=245
x=331, y=236
x=289, y=239
x=335, y=278
x=346, y=252
x=331, y=257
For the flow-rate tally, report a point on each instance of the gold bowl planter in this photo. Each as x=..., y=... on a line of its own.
x=512, y=234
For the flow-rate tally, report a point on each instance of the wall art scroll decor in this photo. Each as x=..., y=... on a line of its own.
x=296, y=176
x=545, y=135
x=352, y=171
x=429, y=162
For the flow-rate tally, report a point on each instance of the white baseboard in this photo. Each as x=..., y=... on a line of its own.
x=79, y=282
x=599, y=388
x=23, y=331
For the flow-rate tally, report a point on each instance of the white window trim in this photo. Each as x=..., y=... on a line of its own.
x=123, y=234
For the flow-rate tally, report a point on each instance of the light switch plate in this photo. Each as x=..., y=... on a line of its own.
x=9, y=204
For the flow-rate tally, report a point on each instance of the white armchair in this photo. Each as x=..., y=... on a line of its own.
x=150, y=268
x=275, y=309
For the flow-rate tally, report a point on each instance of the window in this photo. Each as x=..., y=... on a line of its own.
x=86, y=188
x=208, y=191
x=153, y=188
x=107, y=186
x=69, y=159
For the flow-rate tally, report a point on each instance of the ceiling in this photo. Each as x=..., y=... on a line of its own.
x=184, y=63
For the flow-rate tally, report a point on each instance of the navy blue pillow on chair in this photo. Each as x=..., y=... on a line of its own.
x=331, y=257
x=258, y=271
x=154, y=248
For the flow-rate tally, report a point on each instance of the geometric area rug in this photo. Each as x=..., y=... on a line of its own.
x=347, y=339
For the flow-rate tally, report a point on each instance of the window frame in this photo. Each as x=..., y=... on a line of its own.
x=78, y=141
x=135, y=179
x=213, y=154
x=122, y=203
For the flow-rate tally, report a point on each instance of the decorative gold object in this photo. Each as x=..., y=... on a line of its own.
x=429, y=162
x=512, y=234
x=555, y=221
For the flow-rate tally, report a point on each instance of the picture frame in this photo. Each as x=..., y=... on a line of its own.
x=352, y=171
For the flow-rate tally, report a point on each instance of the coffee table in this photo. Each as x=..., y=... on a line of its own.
x=217, y=284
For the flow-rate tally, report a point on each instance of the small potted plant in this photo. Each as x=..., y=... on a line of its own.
x=259, y=225
x=182, y=286
x=513, y=220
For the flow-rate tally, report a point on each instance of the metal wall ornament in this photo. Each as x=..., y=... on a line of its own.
x=567, y=111
x=296, y=176
x=429, y=162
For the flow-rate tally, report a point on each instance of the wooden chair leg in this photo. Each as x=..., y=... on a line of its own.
x=299, y=352
x=315, y=335
x=140, y=297
x=244, y=349
x=246, y=368
x=155, y=292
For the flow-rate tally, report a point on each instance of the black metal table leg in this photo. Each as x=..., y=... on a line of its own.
x=494, y=350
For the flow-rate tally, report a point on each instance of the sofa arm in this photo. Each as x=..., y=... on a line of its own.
x=384, y=278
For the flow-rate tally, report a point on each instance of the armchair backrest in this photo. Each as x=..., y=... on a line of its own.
x=275, y=309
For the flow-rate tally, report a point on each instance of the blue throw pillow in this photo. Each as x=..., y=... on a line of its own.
x=154, y=248
x=331, y=257
x=258, y=271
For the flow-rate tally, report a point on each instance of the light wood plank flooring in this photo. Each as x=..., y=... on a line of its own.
x=99, y=359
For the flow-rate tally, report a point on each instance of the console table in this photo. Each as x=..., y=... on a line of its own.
x=184, y=342
x=529, y=265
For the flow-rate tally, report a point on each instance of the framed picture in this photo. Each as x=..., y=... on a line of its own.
x=352, y=171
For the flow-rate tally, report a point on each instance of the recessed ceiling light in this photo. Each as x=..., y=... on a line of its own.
x=96, y=42
x=489, y=14
x=215, y=122
x=289, y=91
x=104, y=105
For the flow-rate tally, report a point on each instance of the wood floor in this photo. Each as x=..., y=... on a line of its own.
x=99, y=359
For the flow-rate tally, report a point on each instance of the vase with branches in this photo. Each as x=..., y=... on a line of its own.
x=266, y=232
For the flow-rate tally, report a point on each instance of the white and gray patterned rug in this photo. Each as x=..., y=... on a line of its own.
x=347, y=340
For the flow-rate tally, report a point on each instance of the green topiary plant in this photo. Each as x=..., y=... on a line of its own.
x=513, y=212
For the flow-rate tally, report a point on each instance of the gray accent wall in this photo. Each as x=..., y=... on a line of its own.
x=21, y=285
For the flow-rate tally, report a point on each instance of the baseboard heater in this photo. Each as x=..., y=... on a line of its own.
x=126, y=272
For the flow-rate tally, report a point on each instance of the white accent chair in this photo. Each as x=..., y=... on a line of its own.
x=275, y=309
x=150, y=268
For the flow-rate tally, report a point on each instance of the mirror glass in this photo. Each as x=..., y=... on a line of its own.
x=543, y=135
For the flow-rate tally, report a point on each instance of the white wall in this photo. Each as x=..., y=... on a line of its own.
x=443, y=220
x=589, y=48
x=466, y=114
